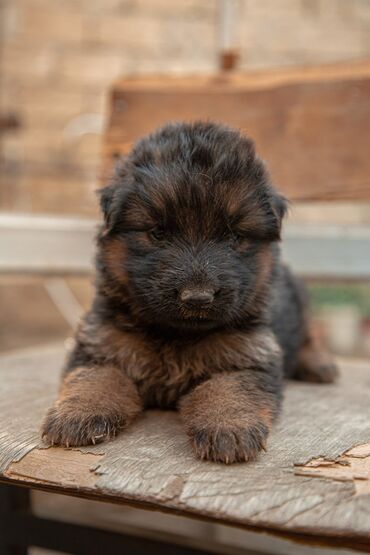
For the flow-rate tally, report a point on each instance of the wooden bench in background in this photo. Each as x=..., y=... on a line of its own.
x=313, y=484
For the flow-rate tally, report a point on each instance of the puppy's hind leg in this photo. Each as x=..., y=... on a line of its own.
x=314, y=364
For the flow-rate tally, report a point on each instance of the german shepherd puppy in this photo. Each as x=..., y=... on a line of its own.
x=193, y=309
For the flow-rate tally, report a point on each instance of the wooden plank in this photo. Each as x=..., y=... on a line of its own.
x=152, y=464
x=328, y=251
x=23, y=529
x=255, y=79
x=124, y=519
x=66, y=245
x=28, y=316
x=311, y=125
x=48, y=189
x=46, y=244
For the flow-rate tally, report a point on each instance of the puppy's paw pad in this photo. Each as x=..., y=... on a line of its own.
x=229, y=445
x=71, y=428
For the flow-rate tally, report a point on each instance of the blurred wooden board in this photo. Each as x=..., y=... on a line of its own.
x=33, y=245
x=151, y=465
x=28, y=315
x=312, y=125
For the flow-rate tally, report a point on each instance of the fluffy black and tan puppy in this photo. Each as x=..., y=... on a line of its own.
x=193, y=307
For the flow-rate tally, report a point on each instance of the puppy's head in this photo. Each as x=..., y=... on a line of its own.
x=190, y=220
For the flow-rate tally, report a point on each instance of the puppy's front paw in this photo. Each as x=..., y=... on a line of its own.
x=71, y=427
x=94, y=405
x=229, y=444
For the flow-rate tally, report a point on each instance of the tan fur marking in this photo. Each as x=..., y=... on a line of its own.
x=226, y=420
x=221, y=402
x=164, y=372
x=93, y=404
x=265, y=260
x=315, y=365
x=114, y=255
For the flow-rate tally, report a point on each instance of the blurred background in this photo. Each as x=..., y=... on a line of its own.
x=58, y=63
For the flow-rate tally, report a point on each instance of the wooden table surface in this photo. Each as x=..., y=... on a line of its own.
x=312, y=484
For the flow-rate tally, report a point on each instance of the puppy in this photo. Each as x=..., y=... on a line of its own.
x=193, y=308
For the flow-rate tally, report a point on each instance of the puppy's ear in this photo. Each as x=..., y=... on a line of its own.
x=106, y=199
x=279, y=208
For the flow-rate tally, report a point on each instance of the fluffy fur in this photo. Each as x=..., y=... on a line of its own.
x=193, y=308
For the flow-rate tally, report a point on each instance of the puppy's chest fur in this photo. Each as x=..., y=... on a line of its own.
x=161, y=371
x=164, y=371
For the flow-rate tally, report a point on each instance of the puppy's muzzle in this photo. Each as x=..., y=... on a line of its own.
x=197, y=298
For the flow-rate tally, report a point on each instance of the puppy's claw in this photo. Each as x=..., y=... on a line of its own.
x=229, y=445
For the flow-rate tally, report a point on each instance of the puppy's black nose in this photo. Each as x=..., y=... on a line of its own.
x=197, y=297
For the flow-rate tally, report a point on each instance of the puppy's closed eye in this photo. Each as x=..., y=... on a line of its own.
x=156, y=234
x=240, y=241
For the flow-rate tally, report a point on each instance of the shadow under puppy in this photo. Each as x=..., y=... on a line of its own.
x=193, y=307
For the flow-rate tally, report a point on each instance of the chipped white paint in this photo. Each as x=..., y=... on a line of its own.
x=353, y=466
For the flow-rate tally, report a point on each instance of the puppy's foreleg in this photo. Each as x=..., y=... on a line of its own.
x=229, y=416
x=94, y=404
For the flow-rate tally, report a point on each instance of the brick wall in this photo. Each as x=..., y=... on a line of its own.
x=59, y=58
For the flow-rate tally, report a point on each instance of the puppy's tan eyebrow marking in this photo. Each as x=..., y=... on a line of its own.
x=243, y=211
x=238, y=199
x=138, y=218
x=252, y=224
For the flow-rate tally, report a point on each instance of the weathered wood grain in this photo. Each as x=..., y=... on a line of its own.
x=353, y=466
x=311, y=125
x=152, y=464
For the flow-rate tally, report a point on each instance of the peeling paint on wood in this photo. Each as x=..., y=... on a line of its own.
x=353, y=466
x=55, y=466
x=323, y=429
